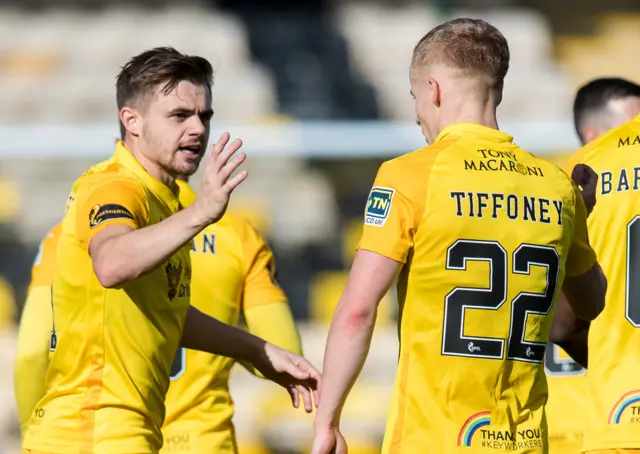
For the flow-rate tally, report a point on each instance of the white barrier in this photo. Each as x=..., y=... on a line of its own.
x=304, y=140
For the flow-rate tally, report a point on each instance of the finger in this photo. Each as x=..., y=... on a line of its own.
x=233, y=183
x=303, y=391
x=230, y=167
x=295, y=397
x=316, y=394
x=216, y=149
x=226, y=154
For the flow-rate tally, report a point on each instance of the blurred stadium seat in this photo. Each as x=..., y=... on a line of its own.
x=61, y=65
x=609, y=52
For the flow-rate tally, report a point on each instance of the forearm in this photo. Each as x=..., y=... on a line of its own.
x=207, y=334
x=347, y=348
x=570, y=332
x=274, y=323
x=125, y=257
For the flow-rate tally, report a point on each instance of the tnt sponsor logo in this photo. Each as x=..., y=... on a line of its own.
x=627, y=409
x=378, y=206
x=477, y=432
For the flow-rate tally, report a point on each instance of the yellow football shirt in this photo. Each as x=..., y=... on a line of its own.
x=109, y=373
x=32, y=356
x=567, y=393
x=486, y=232
x=233, y=272
x=613, y=406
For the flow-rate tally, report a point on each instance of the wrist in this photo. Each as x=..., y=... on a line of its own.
x=253, y=349
x=327, y=418
x=196, y=216
x=326, y=422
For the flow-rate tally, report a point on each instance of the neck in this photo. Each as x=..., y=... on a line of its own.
x=153, y=168
x=480, y=113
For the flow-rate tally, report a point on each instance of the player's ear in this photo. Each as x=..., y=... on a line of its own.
x=589, y=133
x=130, y=118
x=434, y=86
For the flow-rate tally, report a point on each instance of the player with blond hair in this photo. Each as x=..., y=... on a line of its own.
x=482, y=237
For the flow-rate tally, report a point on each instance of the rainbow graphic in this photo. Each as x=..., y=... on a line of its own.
x=625, y=402
x=471, y=426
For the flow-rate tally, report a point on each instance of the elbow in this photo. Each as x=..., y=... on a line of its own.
x=108, y=275
x=358, y=318
x=595, y=308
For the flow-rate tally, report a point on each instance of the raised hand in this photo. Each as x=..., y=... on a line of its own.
x=587, y=179
x=217, y=183
x=292, y=372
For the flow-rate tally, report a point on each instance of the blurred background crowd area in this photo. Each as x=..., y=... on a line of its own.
x=319, y=92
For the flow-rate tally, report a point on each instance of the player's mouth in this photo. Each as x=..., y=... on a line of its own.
x=192, y=150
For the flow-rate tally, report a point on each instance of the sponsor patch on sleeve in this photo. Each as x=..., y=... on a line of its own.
x=378, y=206
x=108, y=212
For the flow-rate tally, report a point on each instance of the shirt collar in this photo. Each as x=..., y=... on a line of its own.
x=187, y=194
x=458, y=130
x=124, y=157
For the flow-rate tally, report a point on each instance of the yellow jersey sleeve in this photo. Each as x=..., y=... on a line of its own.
x=274, y=323
x=261, y=283
x=45, y=260
x=32, y=355
x=114, y=202
x=581, y=255
x=393, y=211
x=36, y=322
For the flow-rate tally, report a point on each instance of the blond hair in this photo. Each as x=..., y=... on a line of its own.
x=472, y=45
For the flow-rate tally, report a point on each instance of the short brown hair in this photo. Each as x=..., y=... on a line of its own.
x=162, y=67
x=471, y=45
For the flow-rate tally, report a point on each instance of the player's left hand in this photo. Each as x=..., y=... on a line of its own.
x=328, y=440
x=586, y=178
x=292, y=372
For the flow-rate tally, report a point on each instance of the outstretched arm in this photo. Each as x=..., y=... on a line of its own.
x=274, y=323
x=291, y=371
x=349, y=339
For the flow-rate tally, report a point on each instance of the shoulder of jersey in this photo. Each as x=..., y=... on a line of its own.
x=428, y=153
x=551, y=168
x=607, y=140
x=104, y=172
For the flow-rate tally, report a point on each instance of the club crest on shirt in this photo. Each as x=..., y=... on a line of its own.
x=110, y=211
x=378, y=206
x=173, y=278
